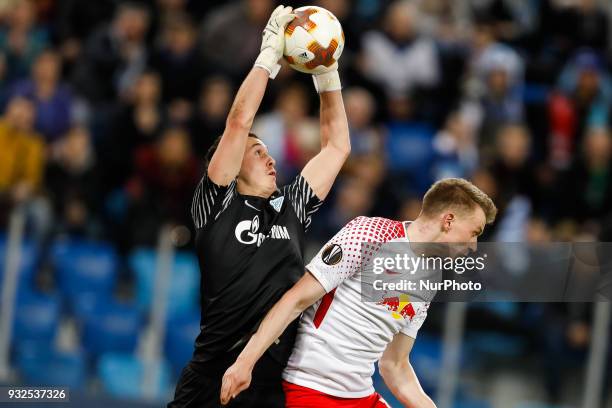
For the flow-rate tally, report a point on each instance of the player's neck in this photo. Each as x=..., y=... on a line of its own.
x=421, y=230
x=247, y=190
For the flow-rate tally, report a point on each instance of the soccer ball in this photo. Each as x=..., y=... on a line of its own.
x=313, y=40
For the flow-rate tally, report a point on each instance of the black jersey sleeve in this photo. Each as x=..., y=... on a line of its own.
x=303, y=199
x=210, y=200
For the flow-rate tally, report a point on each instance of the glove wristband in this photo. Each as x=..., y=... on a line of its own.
x=267, y=61
x=327, y=82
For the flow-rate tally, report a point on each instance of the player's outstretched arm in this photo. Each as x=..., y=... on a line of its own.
x=304, y=293
x=225, y=163
x=321, y=171
x=397, y=372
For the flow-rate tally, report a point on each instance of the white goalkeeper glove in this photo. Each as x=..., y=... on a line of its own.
x=328, y=81
x=273, y=41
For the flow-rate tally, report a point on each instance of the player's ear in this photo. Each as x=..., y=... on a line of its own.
x=447, y=221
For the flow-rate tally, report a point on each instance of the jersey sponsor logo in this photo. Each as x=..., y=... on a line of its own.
x=249, y=205
x=400, y=307
x=277, y=203
x=245, y=232
x=255, y=225
x=332, y=254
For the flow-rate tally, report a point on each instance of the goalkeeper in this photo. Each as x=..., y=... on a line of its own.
x=250, y=234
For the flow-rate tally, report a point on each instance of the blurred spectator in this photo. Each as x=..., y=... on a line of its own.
x=162, y=186
x=208, y=122
x=114, y=55
x=442, y=19
x=354, y=198
x=360, y=110
x=511, y=168
x=53, y=99
x=287, y=131
x=75, y=20
x=455, y=149
x=22, y=160
x=166, y=10
x=589, y=180
x=399, y=57
x=509, y=19
x=21, y=40
x=410, y=209
x=177, y=61
x=583, y=102
x=231, y=35
x=138, y=123
x=589, y=22
x=494, y=88
x=22, y=149
x=72, y=181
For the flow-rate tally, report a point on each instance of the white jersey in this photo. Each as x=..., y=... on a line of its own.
x=340, y=337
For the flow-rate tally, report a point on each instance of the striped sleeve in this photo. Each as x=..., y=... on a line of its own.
x=303, y=199
x=210, y=200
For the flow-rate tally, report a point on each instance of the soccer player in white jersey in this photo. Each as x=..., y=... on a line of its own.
x=340, y=337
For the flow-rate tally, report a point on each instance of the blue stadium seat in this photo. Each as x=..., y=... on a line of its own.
x=111, y=326
x=410, y=152
x=36, y=317
x=495, y=344
x=180, y=336
x=184, y=281
x=43, y=366
x=84, y=266
x=122, y=376
x=471, y=403
x=28, y=260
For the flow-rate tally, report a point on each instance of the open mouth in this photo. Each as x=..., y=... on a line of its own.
x=272, y=173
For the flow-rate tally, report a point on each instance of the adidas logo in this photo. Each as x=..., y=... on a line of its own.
x=277, y=203
x=303, y=55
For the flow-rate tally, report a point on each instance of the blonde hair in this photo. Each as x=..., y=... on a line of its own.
x=457, y=193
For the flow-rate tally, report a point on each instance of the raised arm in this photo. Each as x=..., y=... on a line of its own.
x=225, y=163
x=303, y=294
x=397, y=372
x=321, y=171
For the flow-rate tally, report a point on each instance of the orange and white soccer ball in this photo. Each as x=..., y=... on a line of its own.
x=313, y=40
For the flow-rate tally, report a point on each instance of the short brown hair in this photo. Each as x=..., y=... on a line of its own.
x=457, y=193
x=213, y=148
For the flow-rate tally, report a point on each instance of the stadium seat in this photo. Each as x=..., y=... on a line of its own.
x=28, y=260
x=184, y=281
x=36, y=317
x=495, y=344
x=41, y=365
x=471, y=403
x=180, y=336
x=122, y=376
x=84, y=266
x=410, y=153
x=111, y=327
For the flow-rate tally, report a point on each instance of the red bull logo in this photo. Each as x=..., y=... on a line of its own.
x=399, y=306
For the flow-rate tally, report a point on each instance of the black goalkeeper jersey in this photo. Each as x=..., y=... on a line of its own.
x=250, y=251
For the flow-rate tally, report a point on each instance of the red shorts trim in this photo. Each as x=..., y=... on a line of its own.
x=297, y=396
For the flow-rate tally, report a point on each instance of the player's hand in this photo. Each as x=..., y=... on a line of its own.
x=273, y=40
x=236, y=379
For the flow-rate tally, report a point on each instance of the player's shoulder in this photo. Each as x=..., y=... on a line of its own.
x=376, y=228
